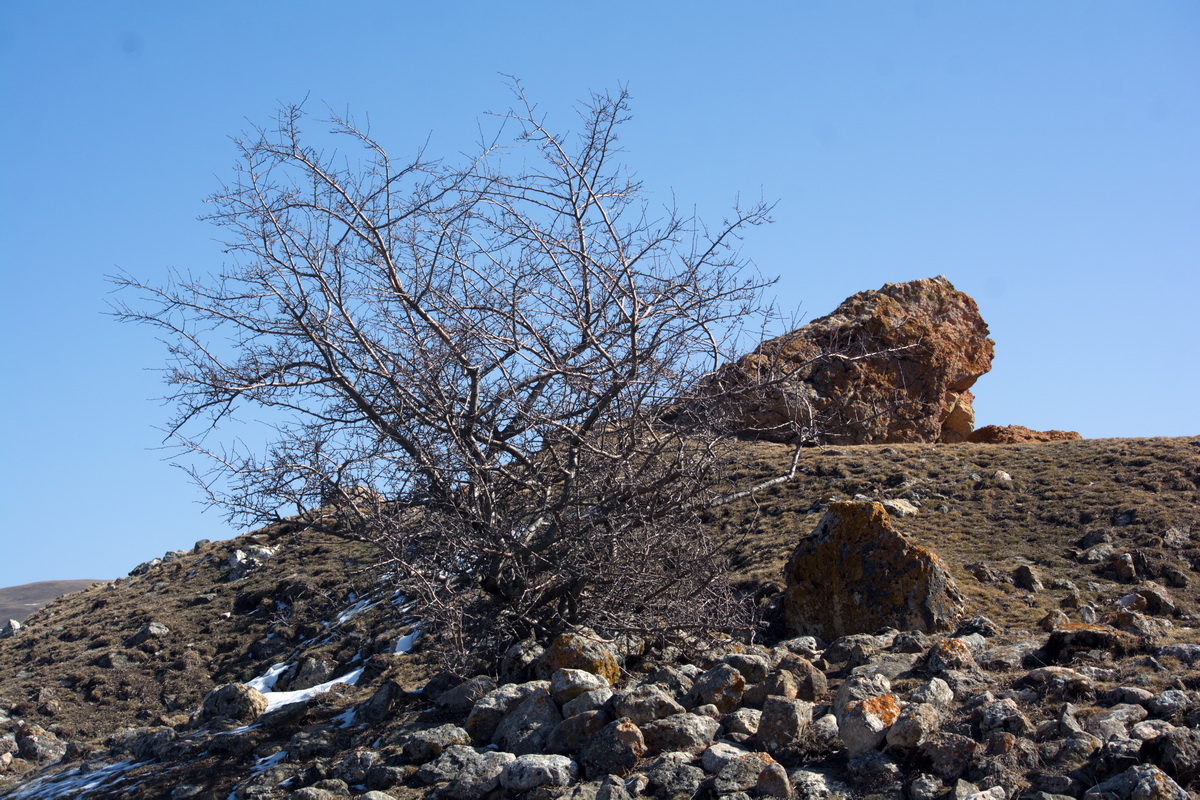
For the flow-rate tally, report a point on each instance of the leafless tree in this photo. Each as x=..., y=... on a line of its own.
x=479, y=368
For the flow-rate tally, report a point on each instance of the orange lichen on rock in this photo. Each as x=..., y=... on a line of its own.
x=885, y=707
x=856, y=574
x=576, y=651
x=1018, y=434
x=888, y=365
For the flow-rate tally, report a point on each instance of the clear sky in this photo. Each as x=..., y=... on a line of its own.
x=1045, y=156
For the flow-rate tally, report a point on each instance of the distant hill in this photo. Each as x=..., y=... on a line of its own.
x=18, y=602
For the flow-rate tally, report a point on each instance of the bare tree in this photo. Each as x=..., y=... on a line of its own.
x=477, y=367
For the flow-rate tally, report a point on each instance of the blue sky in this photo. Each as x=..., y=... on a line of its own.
x=1045, y=156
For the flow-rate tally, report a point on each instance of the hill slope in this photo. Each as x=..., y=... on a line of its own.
x=18, y=602
x=142, y=652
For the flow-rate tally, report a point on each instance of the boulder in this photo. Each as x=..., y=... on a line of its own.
x=234, y=701
x=1018, y=434
x=855, y=574
x=614, y=750
x=528, y=727
x=583, y=651
x=888, y=365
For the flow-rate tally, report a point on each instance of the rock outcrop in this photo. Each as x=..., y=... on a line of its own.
x=856, y=574
x=890, y=365
x=1018, y=434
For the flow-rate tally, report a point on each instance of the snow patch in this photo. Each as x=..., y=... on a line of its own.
x=279, y=699
x=409, y=639
x=74, y=783
x=266, y=682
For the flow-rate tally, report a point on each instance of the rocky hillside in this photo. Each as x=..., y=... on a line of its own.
x=281, y=664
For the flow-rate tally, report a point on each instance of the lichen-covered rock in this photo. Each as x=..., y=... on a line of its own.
x=914, y=350
x=533, y=770
x=1017, y=434
x=582, y=651
x=572, y=734
x=567, y=684
x=863, y=724
x=721, y=686
x=419, y=747
x=527, y=728
x=470, y=774
x=855, y=573
x=493, y=707
x=681, y=733
x=615, y=750
x=782, y=723
x=645, y=702
x=234, y=701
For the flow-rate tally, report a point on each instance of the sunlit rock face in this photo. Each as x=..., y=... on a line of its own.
x=856, y=574
x=889, y=365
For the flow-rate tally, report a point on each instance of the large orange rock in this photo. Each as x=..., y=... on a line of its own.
x=890, y=365
x=856, y=574
x=1017, y=434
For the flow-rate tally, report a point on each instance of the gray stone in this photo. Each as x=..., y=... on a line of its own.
x=151, y=630
x=670, y=781
x=470, y=774
x=1024, y=577
x=742, y=722
x=567, y=684
x=1169, y=704
x=686, y=733
x=587, y=701
x=936, y=692
x=493, y=707
x=234, y=701
x=782, y=723
x=721, y=686
x=645, y=702
x=916, y=721
x=741, y=774
x=572, y=734
x=419, y=747
x=534, y=769
x=949, y=754
x=463, y=697
x=615, y=750
x=753, y=667
x=527, y=728
x=1113, y=723
x=1003, y=715
x=1140, y=782
x=718, y=754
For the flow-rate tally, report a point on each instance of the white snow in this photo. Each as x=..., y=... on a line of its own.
x=409, y=639
x=266, y=682
x=279, y=699
x=72, y=784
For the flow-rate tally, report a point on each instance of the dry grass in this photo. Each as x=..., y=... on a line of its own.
x=1133, y=490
